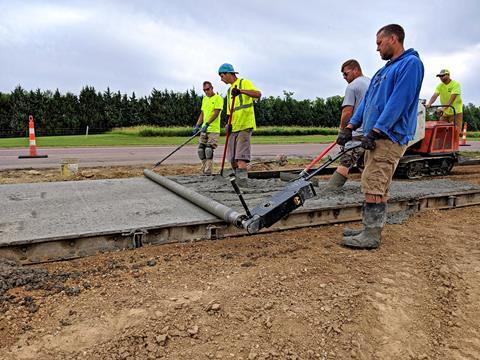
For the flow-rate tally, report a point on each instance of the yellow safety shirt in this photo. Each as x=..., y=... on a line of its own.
x=209, y=105
x=445, y=91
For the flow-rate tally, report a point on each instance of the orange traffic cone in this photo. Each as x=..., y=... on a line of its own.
x=464, y=135
x=32, y=142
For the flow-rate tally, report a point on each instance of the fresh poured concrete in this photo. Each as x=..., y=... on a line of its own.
x=67, y=210
x=71, y=209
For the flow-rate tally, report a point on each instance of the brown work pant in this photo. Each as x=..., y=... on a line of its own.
x=458, y=120
x=239, y=147
x=380, y=164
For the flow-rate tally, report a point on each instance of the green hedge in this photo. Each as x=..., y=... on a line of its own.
x=71, y=114
x=147, y=131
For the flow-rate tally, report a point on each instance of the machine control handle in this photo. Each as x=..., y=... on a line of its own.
x=240, y=196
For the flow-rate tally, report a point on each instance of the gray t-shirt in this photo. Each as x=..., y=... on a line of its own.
x=354, y=94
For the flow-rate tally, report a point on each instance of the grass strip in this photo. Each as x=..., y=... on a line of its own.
x=112, y=140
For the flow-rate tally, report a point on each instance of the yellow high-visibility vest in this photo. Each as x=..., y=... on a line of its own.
x=243, y=114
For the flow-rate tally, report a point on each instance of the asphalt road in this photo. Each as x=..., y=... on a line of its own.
x=149, y=155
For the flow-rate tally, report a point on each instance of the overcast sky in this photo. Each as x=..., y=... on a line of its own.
x=296, y=46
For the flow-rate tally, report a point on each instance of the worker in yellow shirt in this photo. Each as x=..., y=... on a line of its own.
x=450, y=95
x=209, y=121
x=243, y=121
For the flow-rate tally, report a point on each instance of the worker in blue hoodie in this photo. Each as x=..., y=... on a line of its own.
x=388, y=114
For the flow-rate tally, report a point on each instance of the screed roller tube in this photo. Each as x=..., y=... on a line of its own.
x=213, y=207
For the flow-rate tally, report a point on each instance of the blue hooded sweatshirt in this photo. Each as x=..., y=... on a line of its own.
x=391, y=101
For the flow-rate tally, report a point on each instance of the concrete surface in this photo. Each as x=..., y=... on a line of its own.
x=35, y=212
x=41, y=211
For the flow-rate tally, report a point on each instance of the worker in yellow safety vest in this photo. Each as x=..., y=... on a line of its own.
x=243, y=121
x=209, y=120
x=450, y=95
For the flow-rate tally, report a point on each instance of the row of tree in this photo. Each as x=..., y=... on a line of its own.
x=69, y=114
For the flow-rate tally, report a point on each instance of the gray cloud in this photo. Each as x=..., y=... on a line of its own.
x=279, y=45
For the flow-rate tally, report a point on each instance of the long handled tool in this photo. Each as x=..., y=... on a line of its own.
x=284, y=202
x=304, y=172
x=178, y=148
x=317, y=159
x=227, y=135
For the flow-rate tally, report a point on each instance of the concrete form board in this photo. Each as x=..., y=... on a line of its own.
x=61, y=210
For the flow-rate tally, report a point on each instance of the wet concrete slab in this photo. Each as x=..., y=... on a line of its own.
x=38, y=211
x=61, y=210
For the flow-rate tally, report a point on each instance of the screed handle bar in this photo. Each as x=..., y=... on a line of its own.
x=178, y=148
x=317, y=159
x=321, y=155
x=328, y=162
x=232, y=109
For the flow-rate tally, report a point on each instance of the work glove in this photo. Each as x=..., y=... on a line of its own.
x=236, y=91
x=205, y=127
x=195, y=129
x=368, y=142
x=228, y=128
x=344, y=136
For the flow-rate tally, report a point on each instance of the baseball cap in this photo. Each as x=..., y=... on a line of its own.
x=226, y=68
x=443, y=72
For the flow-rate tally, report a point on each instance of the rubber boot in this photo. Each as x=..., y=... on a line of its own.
x=208, y=167
x=351, y=232
x=336, y=181
x=374, y=217
x=241, y=177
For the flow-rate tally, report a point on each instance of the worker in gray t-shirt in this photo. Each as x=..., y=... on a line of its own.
x=354, y=93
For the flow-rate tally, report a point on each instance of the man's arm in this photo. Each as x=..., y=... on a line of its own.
x=252, y=93
x=451, y=100
x=357, y=117
x=432, y=100
x=214, y=116
x=200, y=119
x=249, y=89
x=456, y=91
x=347, y=112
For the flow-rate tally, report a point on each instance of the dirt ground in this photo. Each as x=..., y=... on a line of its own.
x=117, y=172
x=287, y=295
